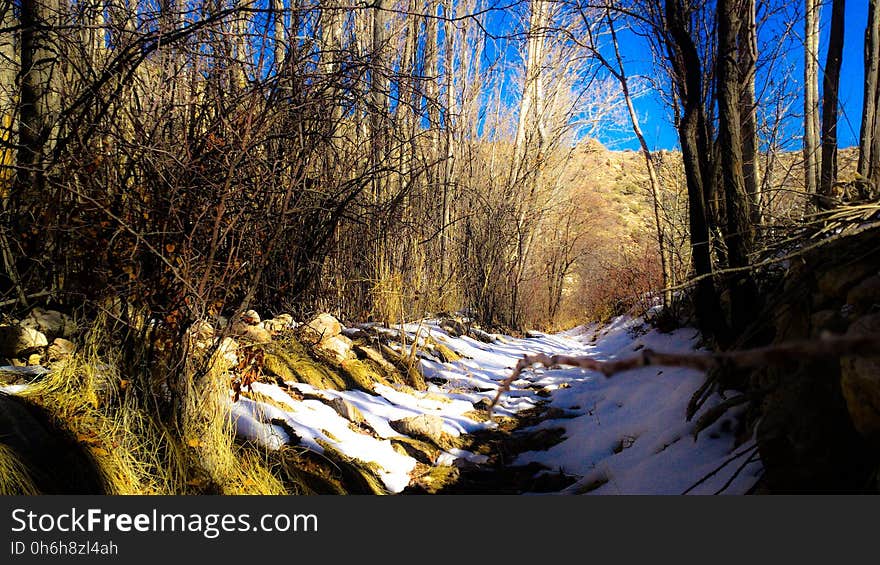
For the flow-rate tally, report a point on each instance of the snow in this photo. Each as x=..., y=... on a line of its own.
x=628, y=435
x=623, y=435
x=631, y=436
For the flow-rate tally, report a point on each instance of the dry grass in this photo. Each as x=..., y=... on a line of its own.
x=135, y=451
x=14, y=476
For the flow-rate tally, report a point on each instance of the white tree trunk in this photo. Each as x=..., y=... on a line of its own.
x=811, y=97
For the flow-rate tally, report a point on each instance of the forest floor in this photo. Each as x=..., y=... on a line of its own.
x=560, y=430
x=557, y=430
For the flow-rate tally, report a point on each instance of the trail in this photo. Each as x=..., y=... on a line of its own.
x=557, y=430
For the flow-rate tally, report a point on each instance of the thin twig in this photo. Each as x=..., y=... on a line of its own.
x=40, y=294
x=736, y=473
x=867, y=345
x=725, y=463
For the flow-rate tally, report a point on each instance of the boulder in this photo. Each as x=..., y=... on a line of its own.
x=860, y=383
x=279, y=323
x=255, y=334
x=338, y=347
x=20, y=341
x=836, y=282
x=426, y=427
x=50, y=322
x=324, y=326
x=60, y=349
x=347, y=410
x=201, y=331
x=865, y=294
x=228, y=351
x=250, y=317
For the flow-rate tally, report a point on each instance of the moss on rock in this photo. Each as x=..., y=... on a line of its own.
x=290, y=361
x=360, y=375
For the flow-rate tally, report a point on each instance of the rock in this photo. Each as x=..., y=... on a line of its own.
x=20, y=341
x=50, y=322
x=836, y=282
x=60, y=349
x=347, y=410
x=337, y=347
x=424, y=426
x=324, y=326
x=446, y=354
x=827, y=321
x=860, y=383
x=238, y=328
x=255, y=334
x=201, y=331
x=453, y=327
x=250, y=318
x=376, y=357
x=279, y=323
x=865, y=294
x=228, y=351
x=483, y=336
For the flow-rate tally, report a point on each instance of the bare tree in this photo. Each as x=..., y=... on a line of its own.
x=812, y=156
x=739, y=233
x=619, y=72
x=696, y=154
x=869, y=135
x=8, y=94
x=830, y=87
x=748, y=57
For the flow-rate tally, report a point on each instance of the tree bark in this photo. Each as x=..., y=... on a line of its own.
x=831, y=86
x=811, y=101
x=449, y=11
x=748, y=109
x=530, y=128
x=38, y=99
x=868, y=132
x=279, y=34
x=8, y=98
x=620, y=73
x=739, y=233
x=687, y=71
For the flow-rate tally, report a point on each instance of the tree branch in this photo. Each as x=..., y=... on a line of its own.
x=827, y=346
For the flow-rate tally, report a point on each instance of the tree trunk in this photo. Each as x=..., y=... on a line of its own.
x=739, y=232
x=868, y=132
x=279, y=34
x=8, y=98
x=748, y=109
x=38, y=99
x=331, y=53
x=685, y=61
x=620, y=73
x=530, y=128
x=379, y=102
x=811, y=101
x=831, y=85
x=449, y=11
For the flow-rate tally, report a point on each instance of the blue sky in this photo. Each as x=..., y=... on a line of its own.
x=655, y=118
